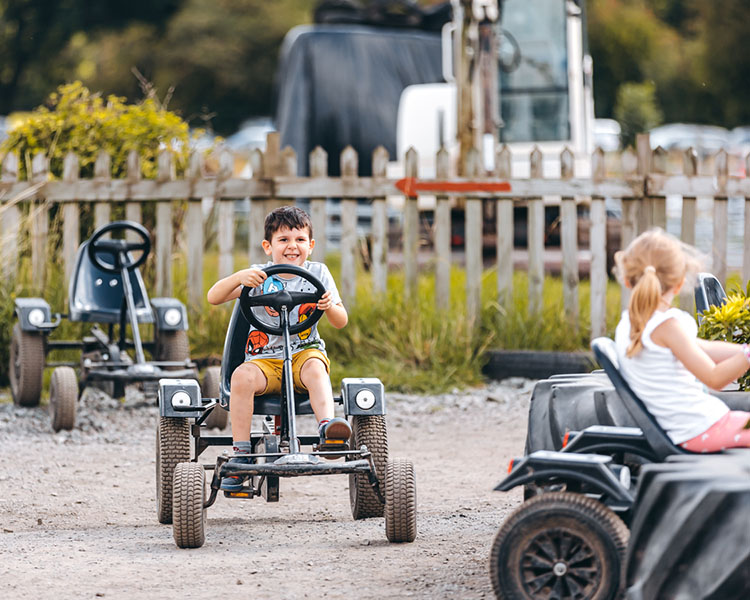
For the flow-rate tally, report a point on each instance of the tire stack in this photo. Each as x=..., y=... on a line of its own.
x=690, y=536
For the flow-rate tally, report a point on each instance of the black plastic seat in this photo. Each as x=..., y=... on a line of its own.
x=95, y=296
x=708, y=292
x=661, y=444
x=234, y=356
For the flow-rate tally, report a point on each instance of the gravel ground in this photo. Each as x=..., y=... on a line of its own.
x=78, y=511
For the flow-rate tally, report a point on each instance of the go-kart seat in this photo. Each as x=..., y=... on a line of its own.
x=97, y=296
x=234, y=355
x=661, y=444
x=708, y=292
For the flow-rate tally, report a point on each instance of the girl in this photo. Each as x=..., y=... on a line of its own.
x=660, y=356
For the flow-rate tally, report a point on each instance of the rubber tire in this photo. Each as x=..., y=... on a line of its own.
x=574, y=514
x=27, y=350
x=172, y=448
x=372, y=432
x=400, y=501
x=210, y=388
x=188, y=514
x=172, y=345
x=63, y=397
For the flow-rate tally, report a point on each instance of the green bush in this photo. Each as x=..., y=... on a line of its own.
x=729, y=322
x=637, y=110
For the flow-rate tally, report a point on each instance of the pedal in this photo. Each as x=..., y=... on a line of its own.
x=332, y=445
x=243, y=493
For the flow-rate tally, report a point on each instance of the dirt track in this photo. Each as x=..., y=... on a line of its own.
x=78, y=513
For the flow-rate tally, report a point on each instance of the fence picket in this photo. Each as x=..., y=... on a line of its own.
x=10, y=223
x=410, y=239
x=535, y=238
x=348, y=284
x=687, y=224
x=70, y=216
x=39, y=224
x=164, y=233
x=379, y=250
x=194, y=236
x=504, y=232
x=319, y=168
x=721, y=219
x=473, y=242
x=598, y=248
x=442, y=236
x=569, y=242
x=102, y=177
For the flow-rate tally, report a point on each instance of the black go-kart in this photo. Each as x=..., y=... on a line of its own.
x=570, y=537
x=106, y=288
x=379, y=486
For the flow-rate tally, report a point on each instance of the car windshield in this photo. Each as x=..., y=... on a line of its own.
x=534, y=94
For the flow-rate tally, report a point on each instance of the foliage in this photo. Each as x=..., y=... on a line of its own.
x=636, y=110
x=729, y=322
x=77, y=120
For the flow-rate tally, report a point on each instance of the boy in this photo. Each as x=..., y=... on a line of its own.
x=288, y=241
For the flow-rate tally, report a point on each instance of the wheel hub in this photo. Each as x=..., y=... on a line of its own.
x=560, y=569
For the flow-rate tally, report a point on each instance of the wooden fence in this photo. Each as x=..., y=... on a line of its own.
x=642, y=184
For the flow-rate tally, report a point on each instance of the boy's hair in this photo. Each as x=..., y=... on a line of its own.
x=290, y=217
x=653, y=263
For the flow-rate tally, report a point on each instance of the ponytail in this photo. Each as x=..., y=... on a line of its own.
x=643, y=303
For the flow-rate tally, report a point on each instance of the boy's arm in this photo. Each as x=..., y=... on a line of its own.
x=335, y=313
x=230, y=287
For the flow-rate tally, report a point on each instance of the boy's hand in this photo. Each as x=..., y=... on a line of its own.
x=251, y=277
x=325, y=302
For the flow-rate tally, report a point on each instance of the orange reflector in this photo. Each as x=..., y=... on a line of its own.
x=335, y=442
x=566, y=437
x=239, y=494
x=510, y=465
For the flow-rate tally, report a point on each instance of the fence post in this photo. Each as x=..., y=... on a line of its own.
x=746, y=246
x=644, y=216
x=473, y=243
x=687, y=224
x=319, y=168
x=658, y=203
x=721, y=219
x=379, y=250
x=39, y=224
x=257, y=214
x=535, y=242
x=10, y=222
x=133, y=209
x=569, y=242
x=348, y=284
x=411, y=228
x=163, y=255
x=194, y=226
x=504, y=232
x=598, y=247
x=442, y=236
x=70, y=216
x=272, y=167
x=632, y=174
x=225, y=211
x=102, y=175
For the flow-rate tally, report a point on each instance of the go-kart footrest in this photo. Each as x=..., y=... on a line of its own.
x=297, y=469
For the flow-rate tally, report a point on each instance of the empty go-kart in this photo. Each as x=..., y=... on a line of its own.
x=378, y=485
x=106, y=287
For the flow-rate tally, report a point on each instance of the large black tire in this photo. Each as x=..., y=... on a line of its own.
x=370, y=431
x=172, y=345
x=172, y=448
x=63, y=397
x=559, y=545
x=26, y=366
x=400, y=501
x=210, y=388
x=689, y=536
x=188, y=514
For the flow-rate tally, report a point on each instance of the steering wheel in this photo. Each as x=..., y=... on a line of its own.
x=283, y=298
x=118, y=248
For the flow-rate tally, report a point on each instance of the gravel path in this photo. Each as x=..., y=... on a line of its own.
x=78, y=514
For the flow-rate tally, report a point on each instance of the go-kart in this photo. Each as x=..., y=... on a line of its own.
x=569, y=539
x=378, y=485
x=106, y=287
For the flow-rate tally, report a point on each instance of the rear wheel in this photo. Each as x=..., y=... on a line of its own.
x=369, y=431
x=400, y=501
x=210, y=388
x=172, y=448
x=63, y=395
x=26, y=366
x=188, y=514
x=559, y=545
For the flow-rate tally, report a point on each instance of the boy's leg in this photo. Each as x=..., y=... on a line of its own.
x=313, y=375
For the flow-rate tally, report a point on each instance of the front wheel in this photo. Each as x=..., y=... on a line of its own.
x=26, y=366
x=400, y=501
x=559, y=545
x=369, y=431
x=63, y=395
x=172, y=448
x=188, y=514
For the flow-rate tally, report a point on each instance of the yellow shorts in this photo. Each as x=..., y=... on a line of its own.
x=272, y=368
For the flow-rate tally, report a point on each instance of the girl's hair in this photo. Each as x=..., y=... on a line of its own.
x=653, y=263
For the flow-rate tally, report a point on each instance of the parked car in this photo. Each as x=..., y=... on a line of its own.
x=740, y=138
x=607, y=134
x=705, y=139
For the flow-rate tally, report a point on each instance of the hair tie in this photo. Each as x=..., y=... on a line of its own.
x=649, y=269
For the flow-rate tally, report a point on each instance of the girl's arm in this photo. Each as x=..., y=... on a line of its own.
x=715, y=374
x=717, y=350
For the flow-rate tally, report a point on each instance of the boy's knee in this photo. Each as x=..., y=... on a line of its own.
x=248, y=377
x=313, y=369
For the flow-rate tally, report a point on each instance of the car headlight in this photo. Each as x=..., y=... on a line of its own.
x=36, y=317
x=180, y=399
x=365, y=399
x=172, y=316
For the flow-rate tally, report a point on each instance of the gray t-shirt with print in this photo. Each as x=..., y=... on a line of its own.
x=263, y=345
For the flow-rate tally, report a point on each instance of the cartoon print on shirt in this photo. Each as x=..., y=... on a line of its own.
x=270, y=286
x=256, y=341
x=305, y=310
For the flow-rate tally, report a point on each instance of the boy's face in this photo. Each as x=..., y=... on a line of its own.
x=289, y=246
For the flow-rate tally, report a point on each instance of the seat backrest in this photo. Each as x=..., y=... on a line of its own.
x=708, y=292
x=606, y=355
x=98, y=297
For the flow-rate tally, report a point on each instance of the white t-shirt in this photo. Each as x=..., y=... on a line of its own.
x=679, y=402
x=262, y=345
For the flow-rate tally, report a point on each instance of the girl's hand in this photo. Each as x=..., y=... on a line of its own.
x=325, y=302
x=251, y=277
